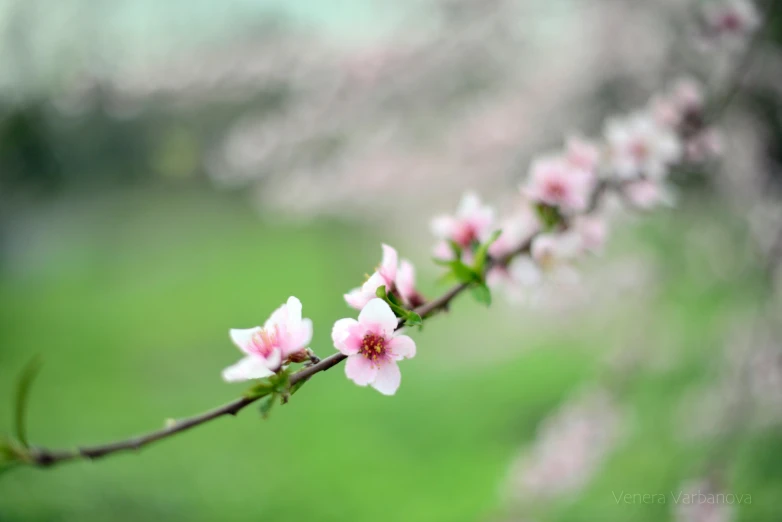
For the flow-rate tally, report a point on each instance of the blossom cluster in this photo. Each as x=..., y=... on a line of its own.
x=560, y=215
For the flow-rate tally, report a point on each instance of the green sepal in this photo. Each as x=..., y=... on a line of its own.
x=266, y=405
x=549, y=216
x=481, y=293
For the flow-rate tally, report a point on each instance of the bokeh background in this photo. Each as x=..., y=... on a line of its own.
x=169, y=170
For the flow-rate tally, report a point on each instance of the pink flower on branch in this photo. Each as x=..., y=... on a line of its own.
x=373, y=347
x=640, y=147
x=471, y=224
x=557, y=182
x=284, y=334
x=398, y=278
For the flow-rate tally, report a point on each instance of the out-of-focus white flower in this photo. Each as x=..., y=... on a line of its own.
x=592, y=230
x=640, y=147
x=582, y=153
x=517, y=229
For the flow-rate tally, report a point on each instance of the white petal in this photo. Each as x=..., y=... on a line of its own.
x=294, y=313
x=340, y=334
x=251, y=367
x=442, y=226
x=388, y=378
x=389, y=263
x=241, y=337
x=378, y=313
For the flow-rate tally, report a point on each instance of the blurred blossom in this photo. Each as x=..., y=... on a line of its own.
x=569, y=449
x=639, y=146
x=730, y=22
x=701, y=501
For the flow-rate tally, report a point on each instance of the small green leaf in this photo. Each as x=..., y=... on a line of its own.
x=23, y=386
x=481, y=293
x=267, y=405
x=413, y=319
x=455, y=248
x=259, y=390
x=381, y=292
x=482, y=253
x=463, y=273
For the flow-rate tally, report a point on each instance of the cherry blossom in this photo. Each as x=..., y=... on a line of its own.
x=731, y=22
x=640, y=147
x=284, y=334
x=555, y=181
x=373, y=347
x=385, y=275
x=471, y=224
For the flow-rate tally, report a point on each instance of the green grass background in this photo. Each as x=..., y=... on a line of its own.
x=129, y=298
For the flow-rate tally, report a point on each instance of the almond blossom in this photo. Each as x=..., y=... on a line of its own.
x=373, y=347
x=640, y=147
x=732, y=21
x=384, y=276
x=471, y=224
x=405, y=285
x=582, y=153
x=284, y=334
x=557, y=182
x=646, y=194
x=516, y=229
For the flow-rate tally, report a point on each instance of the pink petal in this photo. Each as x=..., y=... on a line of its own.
x=360, y=370
x=298, y=338
x=251, y=367
x=443, y=226
x=388, y=378
x=356, y=299
x=377, y=313
x=388, y=265
x=241, y=337
x=341, y=335
x=402, y=347
x=405, y=279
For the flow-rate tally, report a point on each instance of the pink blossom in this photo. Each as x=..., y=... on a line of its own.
x=516, y=230
x=582, y=154
x=592, y=231
x=384, y=276
x=555, y=181
x=373, y=347
x=646, y=194
x=284, y=334
x=704, y=146
x=553, y=255
x=472, y=223
x=732, y=22
x=698, y=501
x=405, y=285
x=640, y=147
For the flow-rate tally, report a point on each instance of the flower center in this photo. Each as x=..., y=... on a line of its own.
x=731, y=22
x=465, y=235
x=373, y=347
x=639, y=150
x=264, y=341
x=556, y=189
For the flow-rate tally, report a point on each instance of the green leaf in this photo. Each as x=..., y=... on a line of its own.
x=481, y=293
x=381, y=292
x=463, y=273
x=413, y=319
x=455, y=248
x=259, y=390
x=482, y=253
x=267, y=405
x=23, y=386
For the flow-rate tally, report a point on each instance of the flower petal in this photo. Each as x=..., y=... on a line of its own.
x=378, y=313
x=341, y=336
x=293, y=318
x=251, y=367
x=356, y=298
x=360, y=370
x=402, y=347
x=389, y=263
x=388, y=378
x=241, y=337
